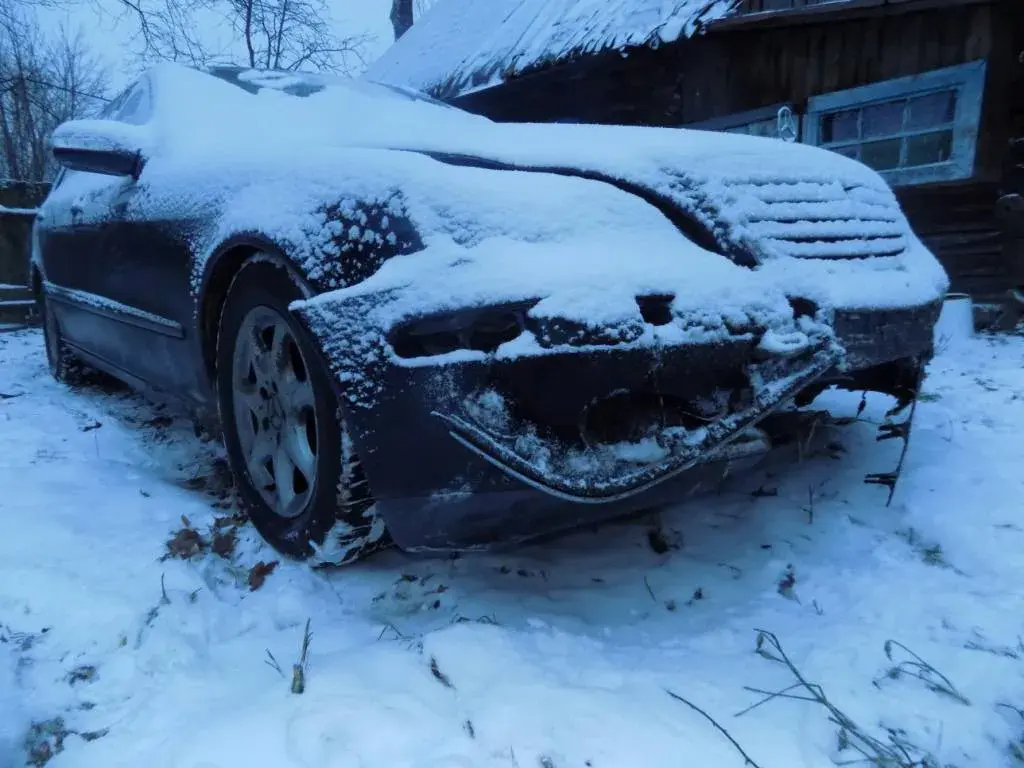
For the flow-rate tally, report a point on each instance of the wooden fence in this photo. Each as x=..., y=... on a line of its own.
x=18, y=201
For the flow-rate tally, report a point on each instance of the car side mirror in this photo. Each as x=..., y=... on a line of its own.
x=100, y=146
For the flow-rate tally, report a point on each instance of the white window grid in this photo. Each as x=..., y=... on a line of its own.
x=968, y=82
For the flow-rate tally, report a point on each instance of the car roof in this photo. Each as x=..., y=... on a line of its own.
x=235, y=108
x=302, y=83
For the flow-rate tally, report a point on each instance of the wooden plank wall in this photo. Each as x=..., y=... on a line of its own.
x=959, y=224
x=739, y=69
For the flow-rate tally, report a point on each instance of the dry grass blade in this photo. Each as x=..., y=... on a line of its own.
x=770, y=695
x=271, y=662
x=896, y=753
x=299, y=670
x=748, y=760
x=441, y=677
x=919, y=668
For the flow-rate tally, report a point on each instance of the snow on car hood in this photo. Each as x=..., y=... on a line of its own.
x=820, y=224
x=803, y=211
x=584, y=249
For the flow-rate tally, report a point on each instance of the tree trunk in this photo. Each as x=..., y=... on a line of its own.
x=401, y=16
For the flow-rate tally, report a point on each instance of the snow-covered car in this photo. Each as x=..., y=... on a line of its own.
x=413, y=324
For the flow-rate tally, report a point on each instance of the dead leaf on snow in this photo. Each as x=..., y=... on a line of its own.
x=787, y=582
x=185, y=544
x=224, y=543
x=259, y=572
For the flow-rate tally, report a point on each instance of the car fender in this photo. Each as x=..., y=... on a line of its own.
x=333, y=244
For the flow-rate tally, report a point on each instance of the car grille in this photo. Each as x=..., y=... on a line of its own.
x=818, y=220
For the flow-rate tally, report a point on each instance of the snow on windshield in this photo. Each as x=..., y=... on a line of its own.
x=306, y=83
x=237, y=112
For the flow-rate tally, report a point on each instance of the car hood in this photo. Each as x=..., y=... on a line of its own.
x=810, y=218
x=742, y=190
x=813, y=221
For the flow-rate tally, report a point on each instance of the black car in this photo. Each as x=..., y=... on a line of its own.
x=415, y=325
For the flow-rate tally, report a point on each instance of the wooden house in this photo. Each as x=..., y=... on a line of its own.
x=928, y=92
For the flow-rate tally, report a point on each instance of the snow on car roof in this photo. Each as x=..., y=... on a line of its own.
x=298, y=83
x=257, y=111
x=464, y=44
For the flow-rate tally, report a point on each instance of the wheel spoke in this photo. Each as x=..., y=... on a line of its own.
x=284, y=477
x=257, y=352
x=281, y=364
x=247, y=398
x=299, y=450
x=263, y=448
x=296, y=396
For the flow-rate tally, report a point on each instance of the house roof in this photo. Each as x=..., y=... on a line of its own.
x=463, y=45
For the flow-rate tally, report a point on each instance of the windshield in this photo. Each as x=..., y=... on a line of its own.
x=307, y=83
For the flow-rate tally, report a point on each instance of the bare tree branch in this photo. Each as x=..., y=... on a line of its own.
x=266, y=34
x=44, y=81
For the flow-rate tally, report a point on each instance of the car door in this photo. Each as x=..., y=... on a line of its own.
x=121, y=280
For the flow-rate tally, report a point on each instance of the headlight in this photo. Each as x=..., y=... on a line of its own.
x=481, y=330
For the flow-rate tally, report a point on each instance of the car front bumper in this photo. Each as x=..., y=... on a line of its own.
x=873, y=337
x=474, y=452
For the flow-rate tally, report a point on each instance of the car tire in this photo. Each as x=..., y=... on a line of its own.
x=64, y=366
x=295, y=470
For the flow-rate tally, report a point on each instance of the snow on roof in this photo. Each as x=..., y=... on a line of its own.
x=465, y=44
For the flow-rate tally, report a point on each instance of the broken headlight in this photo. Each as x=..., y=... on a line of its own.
x=483, y=330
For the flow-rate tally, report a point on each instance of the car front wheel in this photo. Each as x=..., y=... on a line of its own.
x=295, y=470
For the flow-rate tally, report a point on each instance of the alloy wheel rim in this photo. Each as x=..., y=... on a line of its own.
x=275, y=412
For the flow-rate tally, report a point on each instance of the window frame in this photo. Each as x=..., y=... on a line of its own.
x=114, y=109
x=739, y=119
x=969, y=80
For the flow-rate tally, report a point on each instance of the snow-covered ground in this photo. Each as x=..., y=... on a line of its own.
x=561, y=654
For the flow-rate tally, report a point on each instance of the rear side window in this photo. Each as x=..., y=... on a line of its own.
x=132, y=105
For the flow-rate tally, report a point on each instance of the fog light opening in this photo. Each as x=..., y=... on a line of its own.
x=656, y=309
x=803, y=307
x=479, y=330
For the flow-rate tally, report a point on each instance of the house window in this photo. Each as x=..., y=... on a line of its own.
x=758, y=122
x=912, y=130
x=769, y=128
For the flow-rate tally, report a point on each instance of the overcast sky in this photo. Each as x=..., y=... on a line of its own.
x=111, y=38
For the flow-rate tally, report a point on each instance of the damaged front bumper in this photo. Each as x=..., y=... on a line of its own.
x=467, y=449
x=600, y=472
